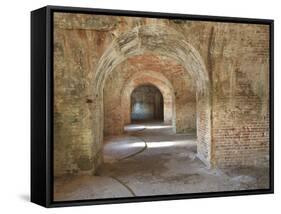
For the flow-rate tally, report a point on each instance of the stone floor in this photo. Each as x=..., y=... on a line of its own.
x=151, y=160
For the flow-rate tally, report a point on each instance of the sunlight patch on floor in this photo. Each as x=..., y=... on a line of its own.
x=162, y=144
x=139, y=127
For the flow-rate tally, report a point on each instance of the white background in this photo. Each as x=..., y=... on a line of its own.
x=15, y=105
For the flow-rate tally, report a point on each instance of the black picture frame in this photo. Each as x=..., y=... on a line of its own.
x=42, y=105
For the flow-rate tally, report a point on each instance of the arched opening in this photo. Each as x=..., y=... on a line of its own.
x=147, y=104
x=153, y=78
x=145, y=39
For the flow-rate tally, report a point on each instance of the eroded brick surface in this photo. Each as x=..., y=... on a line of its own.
x=218, y=73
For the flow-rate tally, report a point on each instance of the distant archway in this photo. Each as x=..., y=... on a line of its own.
x=146, y=104
x=154, y=78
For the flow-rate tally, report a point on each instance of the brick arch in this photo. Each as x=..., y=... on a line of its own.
x=159, y=81
x=162, y=40
x=158, y=39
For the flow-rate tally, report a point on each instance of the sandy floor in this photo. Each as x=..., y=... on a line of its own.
x=150, y=160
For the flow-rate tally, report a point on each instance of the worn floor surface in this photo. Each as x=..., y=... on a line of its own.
x=150, y=160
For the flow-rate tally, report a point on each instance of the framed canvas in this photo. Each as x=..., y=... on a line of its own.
x=131, y=106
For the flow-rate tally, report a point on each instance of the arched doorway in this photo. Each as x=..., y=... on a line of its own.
x=152, y=78
x=172, y=44
x=147, y=104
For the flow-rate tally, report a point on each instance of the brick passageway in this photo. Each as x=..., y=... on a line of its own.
x=149, y=159
x=213, y=78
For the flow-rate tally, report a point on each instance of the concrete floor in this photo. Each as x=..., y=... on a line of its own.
x=151, y=160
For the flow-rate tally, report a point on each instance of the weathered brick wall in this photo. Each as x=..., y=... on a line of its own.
x=76, y=146
x=240, y=98
x=227, y=62
x=204, y=129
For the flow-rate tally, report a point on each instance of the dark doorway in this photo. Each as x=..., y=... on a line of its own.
x=147, y=104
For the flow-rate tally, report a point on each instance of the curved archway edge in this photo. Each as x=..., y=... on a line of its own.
x=160, y=40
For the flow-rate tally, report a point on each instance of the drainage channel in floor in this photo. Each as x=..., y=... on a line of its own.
x=136, y=153
x=130, y=156
x=124, y=185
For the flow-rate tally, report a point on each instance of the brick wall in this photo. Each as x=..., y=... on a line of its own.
x=240, y=102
